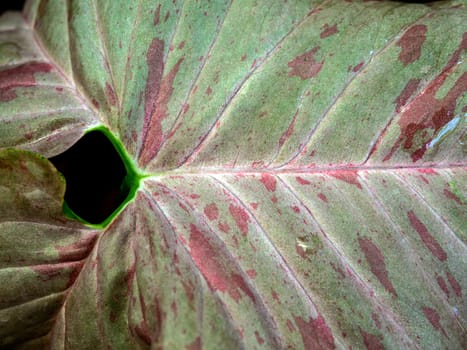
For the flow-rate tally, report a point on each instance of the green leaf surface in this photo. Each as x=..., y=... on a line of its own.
x=304, y=171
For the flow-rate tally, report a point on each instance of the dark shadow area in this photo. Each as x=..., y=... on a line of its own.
x=94, y=173
x=11, y=5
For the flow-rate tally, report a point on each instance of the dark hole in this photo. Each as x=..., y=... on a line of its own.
x=11, y=5
x=94, y=174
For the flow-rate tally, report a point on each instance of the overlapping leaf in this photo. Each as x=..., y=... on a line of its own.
x=308, y=162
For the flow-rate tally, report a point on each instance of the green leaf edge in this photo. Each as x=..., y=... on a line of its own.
x=132, y=180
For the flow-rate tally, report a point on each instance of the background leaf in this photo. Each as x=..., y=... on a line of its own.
x=307, y=176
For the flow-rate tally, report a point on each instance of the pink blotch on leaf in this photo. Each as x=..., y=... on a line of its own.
x=195, y=345
x=302, y=181
x=287, y=133
x=452, y=196
x=158, y=92
x=258, y=338
x=269, y=181
x=305, y=66
x=406, y=93
x=411, y=44
x=375, y=259
x=371, y=341
x=241, y=218
x=328, y=31
x=349, y=176
x=455, y=285
x=110, y=94
x=356, y=68
x=427, y=239
x=427, y=112
x=157, y=15
x=211, y=211
x=433, y=316
x=322, y=197
x=224, y=227
x=442, y=285
x=315, y=333
x=143, y=332
x=214, y=269
x=20, y=76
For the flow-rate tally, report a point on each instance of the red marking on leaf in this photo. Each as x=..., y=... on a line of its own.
x=442, y=285
x=376, y=320
x=49, y=271
x=305, y=65
x=328, y=31
x=429, y=241
x=375, y=259
x=143, y=332
x=427, y=112
x=254, y=205
x=274, y=200
x=302, y=181
x=411, y=44
x=296, y=209
x=173, y=307
x=349, y=176
x=183, y=206
x=371, y=341
x=59, y=89
x=129, y=277
x=406, y=93
x=158, y=92
x=322, y=197
x=315, y=333
x=208, y=91
x=424, y=179
x=275, y=296
x=78, y=250
x=211, y=211
x=217, y=275
x=157, y=15
x=110, y=93
x=433, y=317
x=258, y=338
x=224, y=227
x=429, y=171
x=356, y=68
x=181, y=45
x=290, y=326
x=286, y=135
x=338, y=270
x=241, y=218
x=300, y=251
x=455, y=285
x=195, y=345
x=189, y=289
x=452, y=196
x=269, y=181
x=20, y=76
x=251, y=273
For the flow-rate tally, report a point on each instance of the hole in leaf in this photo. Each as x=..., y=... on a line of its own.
x=99, y=177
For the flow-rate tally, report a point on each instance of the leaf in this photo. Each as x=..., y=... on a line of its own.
x=306, y=175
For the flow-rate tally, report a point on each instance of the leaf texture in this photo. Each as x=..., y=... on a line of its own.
x=306, y=162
